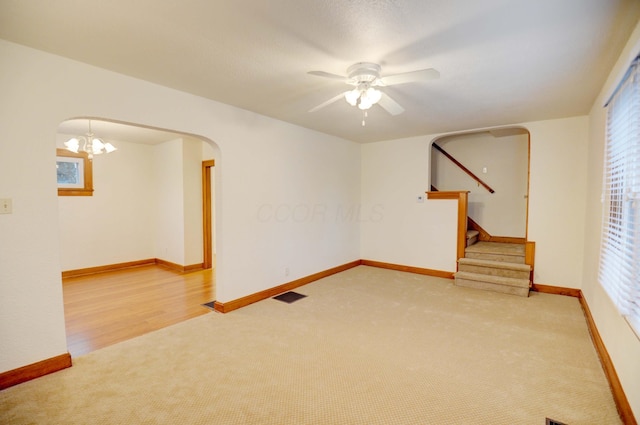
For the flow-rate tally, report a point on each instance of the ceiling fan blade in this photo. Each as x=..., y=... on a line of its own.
x=409, y=77
x=390, y=105
x=328, y=102
x=327, y=75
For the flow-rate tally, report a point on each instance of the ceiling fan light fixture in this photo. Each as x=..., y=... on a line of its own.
x=352, y=97
x=365, y=76
x=364, y=103
x=373, y=95
x=364, y=97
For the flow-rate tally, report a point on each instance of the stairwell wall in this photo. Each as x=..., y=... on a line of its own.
x=502, y=163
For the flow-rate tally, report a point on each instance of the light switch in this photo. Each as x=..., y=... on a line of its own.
x=420, y=199
x=5, y=206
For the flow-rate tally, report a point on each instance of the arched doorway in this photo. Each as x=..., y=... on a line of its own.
x=493, y=165
x=141, y=225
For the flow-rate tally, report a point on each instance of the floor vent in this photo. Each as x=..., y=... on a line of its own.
x=289, y=297
x=209, y=305
x=553, y=422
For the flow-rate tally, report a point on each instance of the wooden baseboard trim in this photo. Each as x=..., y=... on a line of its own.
x=178, y=267
x=35, y=370
x=108, y=268
x=268, y=293
x=193, y=267
x=130, y=264
x=620, y=398
x=507, y=239
x=410, y=269
x=556, y=290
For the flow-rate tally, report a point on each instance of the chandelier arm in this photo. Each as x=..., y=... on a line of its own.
x=89, y=144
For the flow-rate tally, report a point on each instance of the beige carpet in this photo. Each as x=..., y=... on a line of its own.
x=367, y=346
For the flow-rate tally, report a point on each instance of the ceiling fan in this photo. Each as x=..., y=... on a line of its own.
x=366, y=77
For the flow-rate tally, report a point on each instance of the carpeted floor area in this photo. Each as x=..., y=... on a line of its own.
x=366, y=346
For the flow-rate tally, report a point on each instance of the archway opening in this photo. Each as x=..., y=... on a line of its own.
x=141, y=229
x=493, y=165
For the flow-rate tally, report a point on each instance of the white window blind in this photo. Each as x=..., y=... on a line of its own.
x=620, y=251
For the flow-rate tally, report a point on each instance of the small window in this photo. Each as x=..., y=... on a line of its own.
x=620, y=251
x=75, y=174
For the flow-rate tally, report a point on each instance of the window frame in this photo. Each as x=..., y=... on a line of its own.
x=619, y=263
x=87, y=174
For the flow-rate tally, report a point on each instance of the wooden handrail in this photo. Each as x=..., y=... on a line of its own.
x=463, y=168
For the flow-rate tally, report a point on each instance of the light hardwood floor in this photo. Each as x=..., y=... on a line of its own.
x=106, y=308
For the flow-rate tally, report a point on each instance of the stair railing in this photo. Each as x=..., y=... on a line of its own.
x=463, y=168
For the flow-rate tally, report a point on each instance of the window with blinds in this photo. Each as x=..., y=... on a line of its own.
x=620, y=251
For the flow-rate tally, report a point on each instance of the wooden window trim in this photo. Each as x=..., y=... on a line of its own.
x=87, y=190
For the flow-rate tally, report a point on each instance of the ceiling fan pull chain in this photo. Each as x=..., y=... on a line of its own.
x=364, y=116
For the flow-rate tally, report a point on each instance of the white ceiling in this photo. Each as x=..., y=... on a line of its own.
x=501, y=61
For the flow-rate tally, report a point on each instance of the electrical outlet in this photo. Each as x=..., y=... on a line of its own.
x=420, y=199
x=286, y=271
x=5, y=206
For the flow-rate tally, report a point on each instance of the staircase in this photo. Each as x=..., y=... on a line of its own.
x=472, y=237
x=494, y=266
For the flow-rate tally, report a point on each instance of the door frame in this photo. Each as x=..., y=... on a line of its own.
x=207, y=251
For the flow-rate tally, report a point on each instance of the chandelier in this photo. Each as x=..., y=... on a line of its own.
x=89, y=144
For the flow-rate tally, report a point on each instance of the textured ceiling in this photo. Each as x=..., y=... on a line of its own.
x=500, y=61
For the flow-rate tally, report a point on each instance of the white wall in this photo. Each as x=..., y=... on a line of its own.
x=422, y=235
x=192, y=195
x=169, y=206
x=147, y=203
x=395, y=228
x=506, y=160
x=260, y=161
x=288, y=193
x=623, y=346
x=117, y=224
x=557, y=194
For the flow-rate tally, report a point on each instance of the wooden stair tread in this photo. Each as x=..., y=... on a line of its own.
x=498, y=280
x=494, y=264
